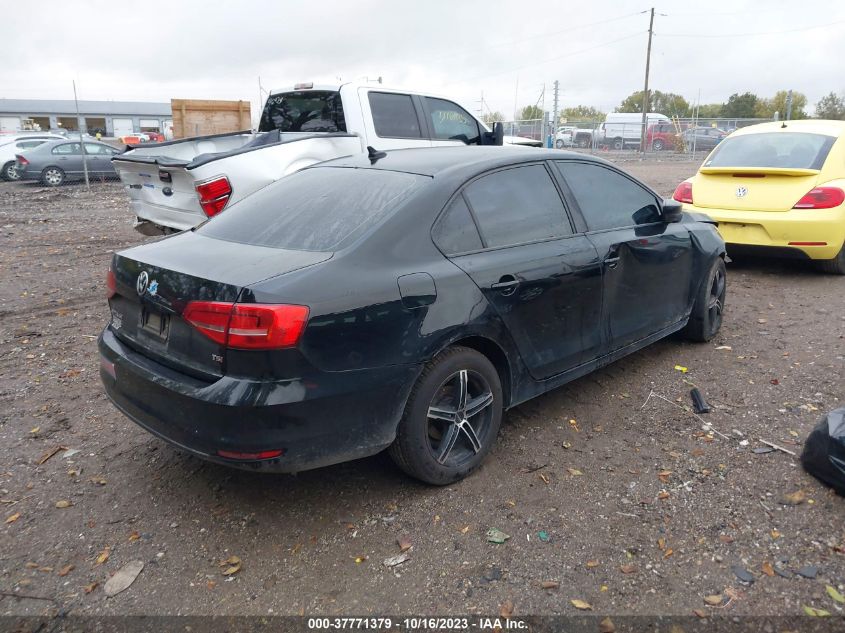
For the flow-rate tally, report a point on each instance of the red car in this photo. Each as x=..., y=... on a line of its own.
x=155, y=137
x=660, y=136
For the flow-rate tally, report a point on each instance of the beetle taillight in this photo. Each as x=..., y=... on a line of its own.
x=683, y=192
x=821, y=198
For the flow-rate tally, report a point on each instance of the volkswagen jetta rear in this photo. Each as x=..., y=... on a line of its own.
x=214, y=342
x=778, y=187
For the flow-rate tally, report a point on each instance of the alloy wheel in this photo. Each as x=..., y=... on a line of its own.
x=459, y=418
x=716, y=299
x=53, y=177
x=12, y=172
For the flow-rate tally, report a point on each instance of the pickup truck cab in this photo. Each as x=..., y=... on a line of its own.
x=175, y=185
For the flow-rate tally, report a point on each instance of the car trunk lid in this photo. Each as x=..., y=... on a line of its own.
x=752, y=188
x=154, y=284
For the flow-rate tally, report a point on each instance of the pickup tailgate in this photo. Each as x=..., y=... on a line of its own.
x=161, y=180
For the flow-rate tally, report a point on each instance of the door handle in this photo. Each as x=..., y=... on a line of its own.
x=612, y=261
x=506, y=285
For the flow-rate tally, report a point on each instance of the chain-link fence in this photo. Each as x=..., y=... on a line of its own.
x=624, y=132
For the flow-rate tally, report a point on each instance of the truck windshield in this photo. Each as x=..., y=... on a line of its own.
x=305, y=111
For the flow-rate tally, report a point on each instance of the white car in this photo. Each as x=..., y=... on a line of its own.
x=175, y=185
x=15, y=144
x=565, y=136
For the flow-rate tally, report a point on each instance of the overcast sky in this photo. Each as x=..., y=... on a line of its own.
x=155, y=51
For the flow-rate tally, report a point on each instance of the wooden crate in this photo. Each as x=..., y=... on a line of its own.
x=198, y=117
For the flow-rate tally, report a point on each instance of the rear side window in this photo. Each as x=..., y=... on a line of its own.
x=394, y=115
x=456, y=231
x=305, y=111
x=517, y=205
x=608, y=199
x=450, y=121
x=68, y=148
x=318, y=209
x=792, y=150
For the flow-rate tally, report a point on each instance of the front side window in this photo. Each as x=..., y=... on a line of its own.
x=456, y=231
x=607, y=199
x=68, y=148
x=316, y=209
x=394, y=115
x=517, y=205
x=790, y=150
x=450, y=121
x=93, y=148
x=303, y=111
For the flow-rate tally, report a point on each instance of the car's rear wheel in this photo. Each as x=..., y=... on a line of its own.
x=9, y=172
x=52, y=176
x=657, y=146
x=559, y=143
x=618, y=143
x=706, y=316
x=835, y=266
x=583, y=142
x=451, y=418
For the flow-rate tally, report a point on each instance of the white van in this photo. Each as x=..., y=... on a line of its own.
x=624, y=129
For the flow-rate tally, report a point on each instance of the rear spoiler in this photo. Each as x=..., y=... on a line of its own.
x=204, y=159
x=772, y=171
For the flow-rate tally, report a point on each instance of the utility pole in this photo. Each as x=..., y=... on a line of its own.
x=788, y=105
x=645, y=87
x=556, y=104
x=81, y=144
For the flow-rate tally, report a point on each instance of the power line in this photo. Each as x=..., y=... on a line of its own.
x=550, y=59
x=722, y=35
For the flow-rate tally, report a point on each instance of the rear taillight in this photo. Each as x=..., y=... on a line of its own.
x=258, y=326
x=214, y=195
x=683, y=193
x=251, y=456
x=821, y=198
x=21, y=159
x=111, y=284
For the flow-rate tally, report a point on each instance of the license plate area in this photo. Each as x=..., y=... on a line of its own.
x=155, y=323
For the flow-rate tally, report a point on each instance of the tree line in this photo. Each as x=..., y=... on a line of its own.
x=738, y=106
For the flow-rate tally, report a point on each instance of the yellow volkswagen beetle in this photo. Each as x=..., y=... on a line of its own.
x=777, y=189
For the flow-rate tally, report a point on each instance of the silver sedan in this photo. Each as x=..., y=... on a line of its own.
x=56, y=162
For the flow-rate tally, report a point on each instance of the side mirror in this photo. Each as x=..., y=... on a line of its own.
x=672, y=212
x=496, y=137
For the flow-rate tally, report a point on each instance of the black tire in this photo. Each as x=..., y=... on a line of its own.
x=658, y=145
x=706, y=316
x=835, y=266
x=445, y=447
x=618, y=143
x=52, y=176
x=9, y=173
x=559, y=143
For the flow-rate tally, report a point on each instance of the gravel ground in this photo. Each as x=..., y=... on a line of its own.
x=623, y=500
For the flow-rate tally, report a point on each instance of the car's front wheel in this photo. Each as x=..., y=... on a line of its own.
x=9, y=172
x=52, y=176
x=559, y=143
x=451, y=419
x=835, y=266
x=706, y=316
x=658, y=145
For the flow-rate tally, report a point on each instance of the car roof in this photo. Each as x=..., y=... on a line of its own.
x=433, y=161
x=807, y=126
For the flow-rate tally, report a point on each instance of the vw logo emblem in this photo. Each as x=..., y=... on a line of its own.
x=741, y=192
x=142, y=283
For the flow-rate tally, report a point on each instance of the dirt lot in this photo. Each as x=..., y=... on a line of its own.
x=640, y=510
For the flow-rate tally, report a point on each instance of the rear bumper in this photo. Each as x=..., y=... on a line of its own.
x=177, y=219
x=818, y=234
x=318, y=420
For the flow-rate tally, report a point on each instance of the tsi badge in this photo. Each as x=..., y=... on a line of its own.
x=143, y=284
x=741, y=192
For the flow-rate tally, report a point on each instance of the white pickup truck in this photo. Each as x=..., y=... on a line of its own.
x=175, y=185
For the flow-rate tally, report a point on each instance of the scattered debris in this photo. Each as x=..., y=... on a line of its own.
x=574, y=472
x=396, y=560
x=124, y=577
x=13, y=518
x=824, y=451
x=404, y=543
x=582, y=605
x=103, y=556
x=495, y=535
x=834, y=594
x=819, y=613
x=506, y=609
x=808, y=571
x=232, y=565
x=681, y=369
x=743, y=574
x=50, y=453
x=607, y=626
x=726, y=348
x=64, y=571
x=699, y=404
x=549, y=584
x=590, y=564
x=779, y=448
x=762, y=450
x=63, y=503
x=714, y=600
x=793, y=498
x=360, y=559
x=543, y=536
x=91, y=586
x=628, y=569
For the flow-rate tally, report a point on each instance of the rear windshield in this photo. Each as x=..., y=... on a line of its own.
x=306, y=111
x=317, y=209
x=792, y=150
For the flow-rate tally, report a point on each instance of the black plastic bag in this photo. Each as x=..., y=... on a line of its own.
x=824, y=451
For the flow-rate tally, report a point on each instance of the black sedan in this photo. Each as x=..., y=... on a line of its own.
x=399, y=302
